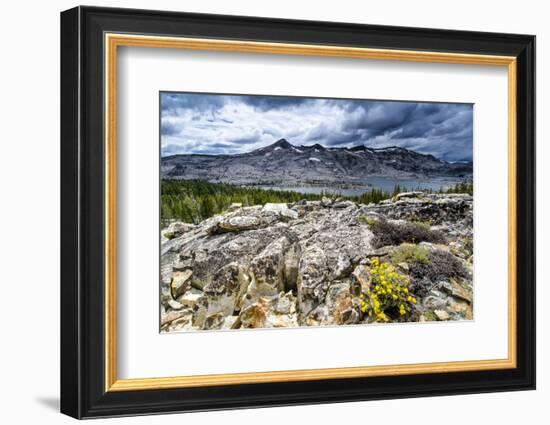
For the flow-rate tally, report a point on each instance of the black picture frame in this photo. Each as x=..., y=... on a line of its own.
x=83, y=392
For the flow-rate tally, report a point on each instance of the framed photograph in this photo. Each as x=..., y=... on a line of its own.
x=261, y=212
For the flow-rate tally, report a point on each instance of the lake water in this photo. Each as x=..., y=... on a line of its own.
x=382, y=183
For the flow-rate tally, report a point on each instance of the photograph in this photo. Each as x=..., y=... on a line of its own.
x=284, y=212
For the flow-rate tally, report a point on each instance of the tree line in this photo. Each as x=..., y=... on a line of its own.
x=193, y=201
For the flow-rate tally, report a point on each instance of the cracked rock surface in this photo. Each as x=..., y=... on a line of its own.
x=303, y=264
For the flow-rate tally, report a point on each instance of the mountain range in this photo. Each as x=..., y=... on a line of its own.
x=283, y=164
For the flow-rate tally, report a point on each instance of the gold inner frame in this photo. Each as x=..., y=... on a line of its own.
x=113, y=41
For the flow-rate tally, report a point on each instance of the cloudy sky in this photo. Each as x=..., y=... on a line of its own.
x=229, y=124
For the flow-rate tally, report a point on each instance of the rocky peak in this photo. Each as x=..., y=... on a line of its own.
x=281, y=143
x=316, y=146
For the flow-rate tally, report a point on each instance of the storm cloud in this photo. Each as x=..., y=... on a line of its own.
x=229, y=124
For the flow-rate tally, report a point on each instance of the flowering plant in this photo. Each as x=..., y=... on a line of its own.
x=388, y=298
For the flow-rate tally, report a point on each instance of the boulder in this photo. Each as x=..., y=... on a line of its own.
x=177, y=229
x=408, y=195
x=181, y=280
x=460, y=309
x=222, y=294
x=267, y=268
x=312, y=280
x=170, y=316
x=174, y=305
x=326, y=202
x=281, y=210
x=214, y=321
x=442, y=314
x=458, y=291
x=342, y=246
x=344, y=204
x=191, y=298
x=239, y=223
x=212, y=252
x=277, y=312
x=182, y=323
x=341, y=306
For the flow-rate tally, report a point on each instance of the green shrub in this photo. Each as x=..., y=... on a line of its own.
x=409, y=253
x=366, y=219
x=391, y=233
